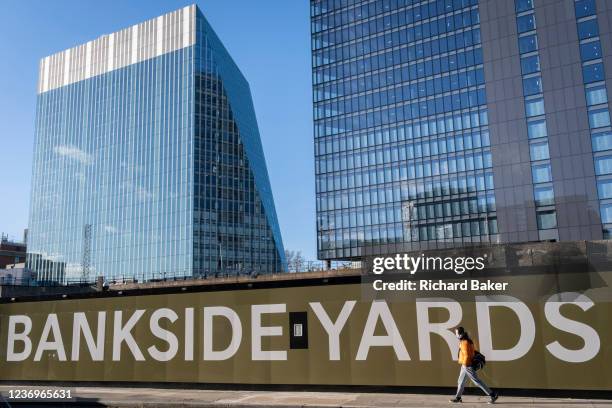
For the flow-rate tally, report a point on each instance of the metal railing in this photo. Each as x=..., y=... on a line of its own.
x=307, y=266
x=313, y=266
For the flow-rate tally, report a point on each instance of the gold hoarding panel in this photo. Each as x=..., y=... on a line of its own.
x=536, y=344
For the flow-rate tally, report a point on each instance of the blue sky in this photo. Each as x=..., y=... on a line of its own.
x=269, y=40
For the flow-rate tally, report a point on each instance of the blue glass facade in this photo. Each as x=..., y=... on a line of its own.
x=598, y=111
x=147, y=160
x=535, y=117
x=402, y=144
x=234, y=209
x=442, y=123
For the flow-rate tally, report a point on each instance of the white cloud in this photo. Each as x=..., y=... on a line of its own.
x=74, y=153
x=110, y=229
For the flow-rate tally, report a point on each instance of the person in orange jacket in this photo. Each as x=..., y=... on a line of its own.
x=466, y=353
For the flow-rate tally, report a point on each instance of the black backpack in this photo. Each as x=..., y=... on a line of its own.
x=478, y=361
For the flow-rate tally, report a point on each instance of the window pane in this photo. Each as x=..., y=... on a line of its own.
x=523, y=5
x=534, y=107
x=546, y=220
x=530, y=64
x=596, y=95
x=588, y=29
x=541, y=173
x=590, y=51
x=537, y=129
x=601, y=141
x=528, y=43
x=599, y=118
x=593, y=73
x=604, y=189
x=539, y=151
x=532, y=86
x=585, y=8
x=606, y=213
x=493, y=226
x=525, y=23
x=544, y=196
x=603, y=165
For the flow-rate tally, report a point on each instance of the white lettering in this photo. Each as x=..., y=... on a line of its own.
x=257, y=332
x=57, y=345
x=590, y=337
x=81, y=325
x=232, y=348
x=444, y=329
x=333, y=329
x=123, y=334
x=23, y=337
x=189, y=334
x=527, y=324
x=380, y=309
x=163, y=334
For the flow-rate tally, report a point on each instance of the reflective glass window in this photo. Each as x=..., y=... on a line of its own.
x=585, y=8
x=539, y=151
x=606, y=213
x=544, y=196
x=525, y=23
x=530, y=64
x=593, y=73
x=546, y=219
x=541, y=173
x=596, y=95
x=528, y=43
x=599, y=118
x=588, y=29
x=523, y=5
x=604, y=189
x=493, y=226
x=534, y=107
x=532, y=86
x=590, y=51
x=603, y=165
x=601, y=141
x=536, y=129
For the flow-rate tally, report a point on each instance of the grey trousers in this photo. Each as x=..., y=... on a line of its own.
x=469, y=372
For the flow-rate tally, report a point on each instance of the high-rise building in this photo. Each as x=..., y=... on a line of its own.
x=460, y=122
x=148, y=161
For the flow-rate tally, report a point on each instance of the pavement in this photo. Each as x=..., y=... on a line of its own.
x=171, y=398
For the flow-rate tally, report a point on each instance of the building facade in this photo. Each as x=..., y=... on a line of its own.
x=447, y=123
x=11, y=252
x=148, y=161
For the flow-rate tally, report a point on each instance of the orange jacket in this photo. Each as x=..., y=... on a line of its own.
x=466, y=352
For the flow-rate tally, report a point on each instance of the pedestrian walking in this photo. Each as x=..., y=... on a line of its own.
x=470, y=361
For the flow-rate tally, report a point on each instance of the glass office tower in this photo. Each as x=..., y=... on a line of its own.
x=148, y=161
x=445, y=123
